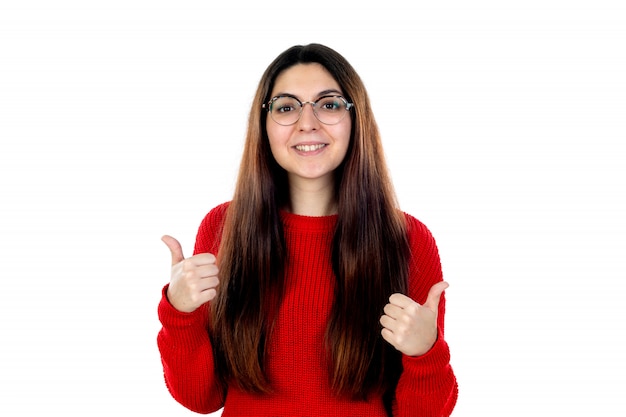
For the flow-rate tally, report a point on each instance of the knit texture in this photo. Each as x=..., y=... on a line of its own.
x=297, y=366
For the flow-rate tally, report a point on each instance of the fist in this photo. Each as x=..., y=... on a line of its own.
x=410, y=327
x=193, y=280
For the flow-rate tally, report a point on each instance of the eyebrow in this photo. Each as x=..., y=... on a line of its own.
x=320, y=94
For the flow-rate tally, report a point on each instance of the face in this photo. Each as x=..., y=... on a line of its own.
x=308, y=150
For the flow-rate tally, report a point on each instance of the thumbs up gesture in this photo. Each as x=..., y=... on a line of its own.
x=410, y=327
x=194, y=280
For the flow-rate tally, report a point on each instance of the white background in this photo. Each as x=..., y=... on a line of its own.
x=504, y=124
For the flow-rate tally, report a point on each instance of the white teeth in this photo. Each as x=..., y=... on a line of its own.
x=309, y=148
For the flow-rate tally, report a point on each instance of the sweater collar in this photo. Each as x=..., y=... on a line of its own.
x=297, y=221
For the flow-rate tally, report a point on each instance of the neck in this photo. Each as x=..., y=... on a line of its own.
x=312, y=198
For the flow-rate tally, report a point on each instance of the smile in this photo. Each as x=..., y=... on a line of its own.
x=310, y=148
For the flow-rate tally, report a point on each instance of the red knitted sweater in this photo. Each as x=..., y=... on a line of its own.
x=296, y=355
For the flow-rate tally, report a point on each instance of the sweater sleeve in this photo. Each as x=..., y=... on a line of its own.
x=187, y=358
x=427, y=386
x=184, y=342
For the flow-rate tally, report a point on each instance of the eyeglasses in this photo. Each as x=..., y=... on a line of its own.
x=286, y=110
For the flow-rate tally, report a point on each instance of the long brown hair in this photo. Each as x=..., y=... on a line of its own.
x=369, y=250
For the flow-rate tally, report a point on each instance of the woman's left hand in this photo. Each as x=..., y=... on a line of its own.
x=410, y=327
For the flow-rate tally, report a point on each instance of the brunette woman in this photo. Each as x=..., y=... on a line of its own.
x=310, y=293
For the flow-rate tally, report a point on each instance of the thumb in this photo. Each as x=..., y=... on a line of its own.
x=175, y=248
x=434, y=295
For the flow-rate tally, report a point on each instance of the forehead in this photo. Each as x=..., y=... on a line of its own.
x=304, y=81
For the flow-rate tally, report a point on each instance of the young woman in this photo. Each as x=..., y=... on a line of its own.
x=310, y=293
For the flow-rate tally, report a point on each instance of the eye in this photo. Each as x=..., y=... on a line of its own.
x=284, y=109
x=330, y=104
x=285, y=105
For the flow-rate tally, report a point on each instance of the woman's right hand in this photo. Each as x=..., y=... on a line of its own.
x=194, y=280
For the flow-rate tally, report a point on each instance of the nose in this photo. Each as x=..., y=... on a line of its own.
x=308, y=119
